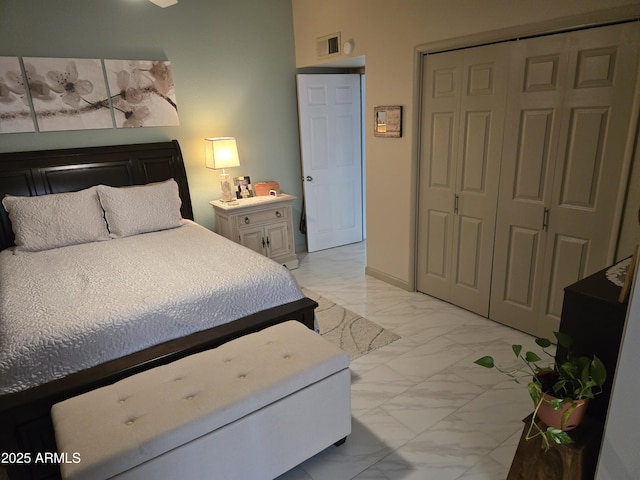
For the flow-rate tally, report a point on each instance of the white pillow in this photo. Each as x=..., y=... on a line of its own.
x=56, y=220
x=141, y=209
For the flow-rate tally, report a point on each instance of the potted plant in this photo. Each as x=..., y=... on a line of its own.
x=560, y=390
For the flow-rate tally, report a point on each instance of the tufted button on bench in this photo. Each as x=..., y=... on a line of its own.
x=252, y=408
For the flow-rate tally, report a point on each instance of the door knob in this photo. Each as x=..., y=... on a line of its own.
x=309, y=178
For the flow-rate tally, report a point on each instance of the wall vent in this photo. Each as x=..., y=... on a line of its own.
x=328, y=46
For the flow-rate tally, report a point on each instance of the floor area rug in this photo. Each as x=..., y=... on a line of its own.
x=353, y=333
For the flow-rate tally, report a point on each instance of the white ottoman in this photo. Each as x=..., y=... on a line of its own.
x=252, y=408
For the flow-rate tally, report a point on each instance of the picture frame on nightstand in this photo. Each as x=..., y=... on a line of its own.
x=244, y=189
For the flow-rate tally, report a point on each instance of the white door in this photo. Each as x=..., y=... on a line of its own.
x=330, y=133
x=464, y=94
x=567, y=130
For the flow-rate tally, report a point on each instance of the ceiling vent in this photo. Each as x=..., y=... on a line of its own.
x=328, y=46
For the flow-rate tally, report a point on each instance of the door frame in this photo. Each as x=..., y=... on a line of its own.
x=567, y=24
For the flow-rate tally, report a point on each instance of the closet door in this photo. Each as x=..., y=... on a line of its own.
x=595, y=133
x=538, y=76
x=463, y=101
x=439, y=144
x=568, y=117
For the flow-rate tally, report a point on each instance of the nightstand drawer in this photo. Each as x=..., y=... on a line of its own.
x=255, y=218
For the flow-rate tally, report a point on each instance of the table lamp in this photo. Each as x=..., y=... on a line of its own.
x=221, y=153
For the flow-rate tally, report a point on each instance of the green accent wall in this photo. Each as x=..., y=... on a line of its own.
x=233, y=66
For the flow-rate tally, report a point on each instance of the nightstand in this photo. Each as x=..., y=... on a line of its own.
x=263, y=224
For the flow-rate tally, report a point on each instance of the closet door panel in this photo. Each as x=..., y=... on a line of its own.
x=476, y=152
x=532, y=128
x=521, y=257
x=596, y=115
x=468, y=261
x=582, y=167
x=441, y=174
x=438, y=244
x=484, y=92
x=439, y=152
x=532, y=157
x=567, y=266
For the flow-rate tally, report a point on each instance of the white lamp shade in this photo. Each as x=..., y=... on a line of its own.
x=221, y=152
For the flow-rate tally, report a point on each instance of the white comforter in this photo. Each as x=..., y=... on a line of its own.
x=71, y=308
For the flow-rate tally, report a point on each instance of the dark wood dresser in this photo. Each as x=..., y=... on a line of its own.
x=595, y=319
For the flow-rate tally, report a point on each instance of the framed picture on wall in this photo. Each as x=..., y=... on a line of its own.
x=387, y=122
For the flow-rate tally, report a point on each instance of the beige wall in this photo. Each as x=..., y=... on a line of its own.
x=390, y=34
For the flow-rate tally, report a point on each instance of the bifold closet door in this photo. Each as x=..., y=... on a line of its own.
x=569, y=113
x=463, y=102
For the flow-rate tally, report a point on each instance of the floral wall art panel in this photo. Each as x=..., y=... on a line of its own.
x=142, y=93
x=15, y=108
x=68, y=93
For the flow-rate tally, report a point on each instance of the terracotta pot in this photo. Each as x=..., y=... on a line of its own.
x=553, y=418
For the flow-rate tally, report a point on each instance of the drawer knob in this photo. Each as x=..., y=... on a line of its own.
x=278, y=213
x=246, y=220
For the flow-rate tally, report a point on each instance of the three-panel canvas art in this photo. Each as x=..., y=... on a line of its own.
x=53, y=94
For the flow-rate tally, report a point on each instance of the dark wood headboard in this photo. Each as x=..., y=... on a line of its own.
x=72, y=169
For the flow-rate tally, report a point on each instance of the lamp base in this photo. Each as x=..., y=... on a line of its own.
x=228, y=195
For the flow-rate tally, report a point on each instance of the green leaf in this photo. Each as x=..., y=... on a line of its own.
x=532, y=357
x=568, y=412
x=558, y=436
x=556, y=403
x=535, y=392
x=563, y=339
x=516, y=349
x=543, y=342
x=598, y=371
x=560, y=386
x=585, y=374
x=486, y=362
x=569, y=370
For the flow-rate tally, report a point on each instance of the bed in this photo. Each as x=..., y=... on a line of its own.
x=135, y=298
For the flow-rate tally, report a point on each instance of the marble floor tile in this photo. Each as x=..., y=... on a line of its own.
x=504, y=453
x=429, y=402
x=421, y=409
x=445, y=451
x=371, y=473
x=428, y=359
x=376, y=387
x=497, y=412
x=362, y=449
x=486, y=469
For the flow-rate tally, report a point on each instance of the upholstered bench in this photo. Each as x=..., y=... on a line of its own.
x=252, y=408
